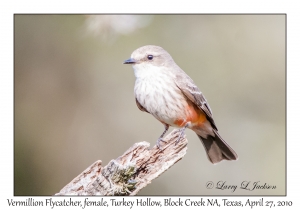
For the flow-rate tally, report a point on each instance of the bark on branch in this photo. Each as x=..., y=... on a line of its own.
x=131, y=172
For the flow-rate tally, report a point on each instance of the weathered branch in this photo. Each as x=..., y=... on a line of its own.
x=131, y=172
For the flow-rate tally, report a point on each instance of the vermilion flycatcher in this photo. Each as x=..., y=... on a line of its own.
x=164, y=90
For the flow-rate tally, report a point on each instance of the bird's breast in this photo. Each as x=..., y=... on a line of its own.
x=160, y=96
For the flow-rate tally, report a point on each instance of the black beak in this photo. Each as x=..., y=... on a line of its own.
x=129, y=61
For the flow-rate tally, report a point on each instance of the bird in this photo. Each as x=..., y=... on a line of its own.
x=165, y=91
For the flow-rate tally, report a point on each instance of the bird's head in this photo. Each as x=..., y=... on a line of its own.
x=149, y=55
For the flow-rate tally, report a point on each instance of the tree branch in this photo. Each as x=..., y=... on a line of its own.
x=131, y=172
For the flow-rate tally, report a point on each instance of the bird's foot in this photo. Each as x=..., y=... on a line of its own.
x=161, y=137
x=158, y=142
x=181, y=133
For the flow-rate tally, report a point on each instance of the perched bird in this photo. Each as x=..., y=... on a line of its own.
x=165, y=91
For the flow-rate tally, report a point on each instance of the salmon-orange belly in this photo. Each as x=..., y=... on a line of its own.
x=194, y=115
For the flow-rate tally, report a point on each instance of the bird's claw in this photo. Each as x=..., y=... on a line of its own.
x=176, y=142
x=181, y=134
x=158, y=142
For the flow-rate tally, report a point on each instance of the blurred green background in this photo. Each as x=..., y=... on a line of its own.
x=74, y=101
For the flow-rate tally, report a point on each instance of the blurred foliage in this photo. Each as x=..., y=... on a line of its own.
x=74, y=100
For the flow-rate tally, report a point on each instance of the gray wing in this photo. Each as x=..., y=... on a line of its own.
x=140, y=106
x=192, y=92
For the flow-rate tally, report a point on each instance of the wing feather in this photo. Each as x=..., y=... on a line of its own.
x=140, y=106
x=192, y=92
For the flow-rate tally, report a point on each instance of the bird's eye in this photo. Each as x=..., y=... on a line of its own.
x=150, y=57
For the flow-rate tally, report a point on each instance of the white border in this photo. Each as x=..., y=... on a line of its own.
x=8, y=8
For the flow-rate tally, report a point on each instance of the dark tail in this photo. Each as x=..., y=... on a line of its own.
x=217, y=149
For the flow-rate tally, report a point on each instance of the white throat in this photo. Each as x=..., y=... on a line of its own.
x=146, y=71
